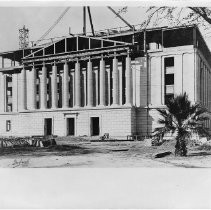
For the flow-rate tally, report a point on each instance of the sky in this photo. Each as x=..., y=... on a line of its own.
x=39, y=19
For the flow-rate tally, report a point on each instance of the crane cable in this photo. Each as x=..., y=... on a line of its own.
x=55, y=23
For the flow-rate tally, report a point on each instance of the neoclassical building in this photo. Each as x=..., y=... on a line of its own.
x=111, y=83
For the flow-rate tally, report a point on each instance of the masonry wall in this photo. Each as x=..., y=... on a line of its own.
x=118, y=122
x=186, y=79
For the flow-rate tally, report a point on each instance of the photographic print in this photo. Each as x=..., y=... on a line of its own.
x=102, y=86
x=105, y=105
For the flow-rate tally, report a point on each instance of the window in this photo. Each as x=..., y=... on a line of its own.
x=169, y=78
x=169, y=62
x=8, y=125
x=168, y=97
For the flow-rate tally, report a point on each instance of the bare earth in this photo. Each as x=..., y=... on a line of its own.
x=72, y=152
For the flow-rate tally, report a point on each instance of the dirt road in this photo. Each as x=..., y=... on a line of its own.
x=100, y=155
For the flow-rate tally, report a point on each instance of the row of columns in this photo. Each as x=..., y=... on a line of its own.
x=65, y=84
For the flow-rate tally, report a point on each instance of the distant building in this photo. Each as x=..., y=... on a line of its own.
x=111, y=83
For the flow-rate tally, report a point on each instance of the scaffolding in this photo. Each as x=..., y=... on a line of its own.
x=23, y=38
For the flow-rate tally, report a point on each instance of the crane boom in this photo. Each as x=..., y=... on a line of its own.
x=54, y=24
x=120, y=17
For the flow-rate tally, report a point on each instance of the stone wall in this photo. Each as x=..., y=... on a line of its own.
x=118, y=122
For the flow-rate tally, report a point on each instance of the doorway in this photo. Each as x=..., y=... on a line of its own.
x=70, y=126
x=95, y=126
x=48, y=127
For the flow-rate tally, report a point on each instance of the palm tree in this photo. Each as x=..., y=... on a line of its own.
x=182, y=119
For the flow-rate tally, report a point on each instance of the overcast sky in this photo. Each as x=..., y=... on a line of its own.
x=39, y=19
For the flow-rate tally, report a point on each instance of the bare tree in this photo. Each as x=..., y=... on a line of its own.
x=180, y=15
x=176, y=16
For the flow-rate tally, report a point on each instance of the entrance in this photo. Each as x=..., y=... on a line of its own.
x=70, y=126
x=95, y=127
x=48, y=127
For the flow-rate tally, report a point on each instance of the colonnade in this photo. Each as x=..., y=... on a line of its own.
x=76, y=85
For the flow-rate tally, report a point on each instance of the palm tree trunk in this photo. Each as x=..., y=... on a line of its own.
x=180, y=147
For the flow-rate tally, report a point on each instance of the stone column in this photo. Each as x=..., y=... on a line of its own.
x=84, y=88
x=102, y=82
x=77, y=85
x=43, y=89
x=96, y=86
x=14, y=92
x=73, y=88
x=204, y=90
x=128, y=81
x=65, y=97
x=205, y=86
x=33, y=88
x=90, y=84
x=109, y=86
x=54, y=92
x=120, y=83
x=23, y=90
x=2, y=93
x=115, y=83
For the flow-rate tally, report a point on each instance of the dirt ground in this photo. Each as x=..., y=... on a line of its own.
x=73, y=152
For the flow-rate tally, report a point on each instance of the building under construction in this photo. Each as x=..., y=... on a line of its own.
x=106, y=82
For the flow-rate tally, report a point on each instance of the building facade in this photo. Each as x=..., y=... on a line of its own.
x=111, y=83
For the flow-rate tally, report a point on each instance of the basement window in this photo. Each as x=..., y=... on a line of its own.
x=8, y=125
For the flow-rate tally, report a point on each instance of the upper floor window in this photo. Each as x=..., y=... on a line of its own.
x=169, y=62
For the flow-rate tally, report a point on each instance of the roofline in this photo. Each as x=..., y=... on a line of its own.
x=12, y=51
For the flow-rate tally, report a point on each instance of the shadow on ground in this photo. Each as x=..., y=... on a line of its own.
x=199, y=154
x=59, y=150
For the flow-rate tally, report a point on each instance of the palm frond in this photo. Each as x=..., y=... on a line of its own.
x=183, y=116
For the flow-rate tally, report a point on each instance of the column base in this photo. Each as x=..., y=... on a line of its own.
x=89, y=106
x=22, y=110
x=114, y=105
x=101, y=105
x=77, y=107
x=128, y=104
x=65, y=107
x=43, y=108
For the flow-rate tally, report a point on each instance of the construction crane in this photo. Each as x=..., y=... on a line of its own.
x=52, y=26
x=84, y=22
